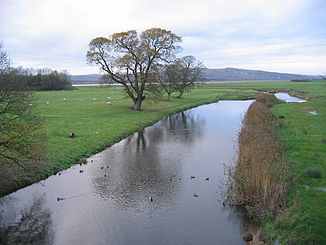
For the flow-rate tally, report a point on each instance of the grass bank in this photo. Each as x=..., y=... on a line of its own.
x=303, y=221
x=97, y=125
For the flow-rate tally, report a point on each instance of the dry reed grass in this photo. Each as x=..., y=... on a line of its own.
x=258, y=181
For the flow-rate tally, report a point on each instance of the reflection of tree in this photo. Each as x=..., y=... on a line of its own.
x=184, y=124
x=148, y=163
x=34, y=226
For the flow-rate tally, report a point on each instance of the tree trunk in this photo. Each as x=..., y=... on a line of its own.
x=180, y=94
x=137, y=105
x=169, y=97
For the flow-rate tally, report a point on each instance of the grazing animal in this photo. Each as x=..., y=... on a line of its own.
x=195, y=195
x=72, y=135
x=109, y=103
x=151, y=199
x=64, y=99
x=207, y=178
x=81, y=171
x=192, y=177
x=60, y=199
x=47, y=102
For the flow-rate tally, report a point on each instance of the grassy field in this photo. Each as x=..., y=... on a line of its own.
x=86, y=112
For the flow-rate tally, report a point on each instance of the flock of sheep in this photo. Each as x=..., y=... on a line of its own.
x=64, y=99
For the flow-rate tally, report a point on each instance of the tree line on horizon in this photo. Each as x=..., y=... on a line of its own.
x=38, y=80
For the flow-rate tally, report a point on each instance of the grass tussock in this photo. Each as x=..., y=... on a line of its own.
x=313, y=173
x=258, y=181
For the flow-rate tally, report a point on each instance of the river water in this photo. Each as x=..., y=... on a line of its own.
x=162, y=185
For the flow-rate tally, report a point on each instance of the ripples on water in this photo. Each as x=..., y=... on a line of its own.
x=109, y=203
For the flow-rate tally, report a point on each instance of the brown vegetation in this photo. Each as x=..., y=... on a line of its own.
x=258, y=181
x=267, y=99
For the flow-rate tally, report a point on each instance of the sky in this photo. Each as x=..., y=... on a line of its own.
x=273, y=35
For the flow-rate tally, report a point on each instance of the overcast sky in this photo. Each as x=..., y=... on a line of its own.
x=273, y=35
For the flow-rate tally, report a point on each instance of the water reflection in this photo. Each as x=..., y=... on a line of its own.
x=33, y=225
x=141, y=166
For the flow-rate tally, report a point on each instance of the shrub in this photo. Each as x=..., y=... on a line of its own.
x=313, y=173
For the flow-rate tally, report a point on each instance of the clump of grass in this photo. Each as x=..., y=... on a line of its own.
x=258, y=181
x=268, y=99
x=313, y=173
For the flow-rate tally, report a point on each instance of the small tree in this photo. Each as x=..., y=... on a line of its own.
x=20, y=134
x=188, y=71
x=128, y=58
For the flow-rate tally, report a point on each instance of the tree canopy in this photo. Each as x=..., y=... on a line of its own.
x=128, y=58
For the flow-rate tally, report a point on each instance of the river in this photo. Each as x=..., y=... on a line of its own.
x=162, y=185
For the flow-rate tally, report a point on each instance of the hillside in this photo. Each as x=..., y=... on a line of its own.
x=233, y=74
x=225, y=74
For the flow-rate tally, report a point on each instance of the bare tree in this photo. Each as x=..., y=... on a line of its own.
x=188, y=71
x=20, y=134
x=167, y=77
x=4, y=61
x=128, y=58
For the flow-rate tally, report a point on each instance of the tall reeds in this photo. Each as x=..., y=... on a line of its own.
x=258, y=180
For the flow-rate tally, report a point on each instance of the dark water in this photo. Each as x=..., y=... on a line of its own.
x=109, y=203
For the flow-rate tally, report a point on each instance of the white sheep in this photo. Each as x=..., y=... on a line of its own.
x=94, y=98
x=64, y=99
x=47, y=102
x=108, y=97
x=109, y=103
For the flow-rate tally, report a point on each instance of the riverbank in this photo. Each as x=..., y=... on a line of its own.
x=303, y=218
x=303, y=221
x=97, y=125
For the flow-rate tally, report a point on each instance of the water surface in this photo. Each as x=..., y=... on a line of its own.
x=109, y=202
x=288, y=98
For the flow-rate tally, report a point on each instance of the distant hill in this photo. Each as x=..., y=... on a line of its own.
x=89, y=78
x=233, y=74
x=226, y=74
